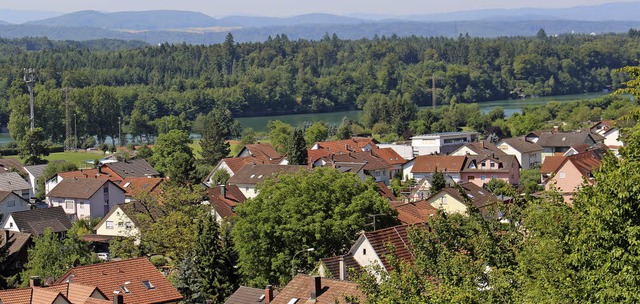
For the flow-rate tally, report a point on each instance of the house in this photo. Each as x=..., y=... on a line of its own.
x=554, y=142
x=128, y=168
x=610, y=132
x=244, y=295
x=223, y=200
x=529, y=154
x=249, y=154
x=362, y=163
x=17, y=254
x=423, y=167
x=414, y=212
x=35, y=221
x=342, y=267
x=33, y=173
x=137, y=280
x=480, y=169
x=482, y=147
x=440, y=143
x=567, y=174
x=86, y=197
x=303, y=289
x=82, y=173
x=326, y=148
x=120, y=222
x=64, y=293
x=459, y=199
x=403, y=149
x=247, y=178
x=11, y=202
x=12, y=181
x=12, y=165
x=392, y=158
x=137, y=187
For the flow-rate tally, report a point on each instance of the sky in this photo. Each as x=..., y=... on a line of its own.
x=282, y=8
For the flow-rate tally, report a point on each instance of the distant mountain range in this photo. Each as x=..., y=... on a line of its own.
x=192, y=27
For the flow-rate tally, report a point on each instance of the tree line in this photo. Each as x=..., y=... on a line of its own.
x=153, y=89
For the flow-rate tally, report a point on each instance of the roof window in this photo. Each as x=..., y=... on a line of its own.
x=148, y=284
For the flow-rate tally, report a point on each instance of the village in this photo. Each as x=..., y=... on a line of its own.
x=440, y=173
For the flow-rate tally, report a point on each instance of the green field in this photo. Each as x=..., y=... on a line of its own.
x=79, y=158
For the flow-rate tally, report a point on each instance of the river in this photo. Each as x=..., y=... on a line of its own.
x=509, y=106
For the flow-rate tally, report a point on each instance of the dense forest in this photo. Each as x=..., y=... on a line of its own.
x=151, y=89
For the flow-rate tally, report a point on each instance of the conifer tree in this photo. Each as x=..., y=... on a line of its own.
x=297, y=154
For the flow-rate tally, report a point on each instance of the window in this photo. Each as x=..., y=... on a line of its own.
x=11, y=203
x=493, y=165
x=81, y=205
x=68, y=204
x=124, y=288
x=471, y=177
x=562, y=175
x=25, y=194
x=120, y=224
x=293, y=301
x=494, y=176
x=148, y=285
x=128, y=225
x=364, y=251
x=109, y=224
x=106, y=189
x=483, y=177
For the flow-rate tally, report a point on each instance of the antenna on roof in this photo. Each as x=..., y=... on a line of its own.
x=374, y=220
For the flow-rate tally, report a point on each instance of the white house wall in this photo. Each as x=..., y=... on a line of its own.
x=365, y=255
x=19, y=204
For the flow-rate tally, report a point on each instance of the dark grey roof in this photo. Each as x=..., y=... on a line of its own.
x=12, y=181
x=252, y=174
x=36, y=170
x=132, y=168
x=567, y=139
x=246, y=295
x=34, y=221
x=522, y=145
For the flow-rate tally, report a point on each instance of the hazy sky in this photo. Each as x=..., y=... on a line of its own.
x=287, y=7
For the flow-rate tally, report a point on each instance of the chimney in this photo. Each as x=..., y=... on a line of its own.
x=268, y=294
x=118, y=298
x=34, y=281
x=6, y=236
x=223, y=191
x=343, y=269
x=316, y=288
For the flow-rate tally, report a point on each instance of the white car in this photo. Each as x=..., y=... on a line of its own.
x=103, y=256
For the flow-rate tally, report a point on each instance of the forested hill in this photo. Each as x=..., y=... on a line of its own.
x=278, y=76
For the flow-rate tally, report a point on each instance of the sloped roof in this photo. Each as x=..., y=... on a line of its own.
x=332, y=264
x=483, y=147
x=35, y=221
x=114, y=275
x=87, y=173
x=136, y=186
x=132, y=168
x=245, y=295
x=552, y=164
x=5, y=194
x=370, y=161
x=414, y=212
x=72, y=293
x=429, y=163
x=7, y=164
x=521, y=145
x=36, y=170
x=476, y=195
x=76, y=293
x=385, y=192
x=332, y=291
x=17, y=241
x=12, y=181
x=586, y=162
x=262, y=151
x=570, y=139
x=355, y=144
x=16, y=296
x=225, y=205
x=389, y=156
x=504, y=163
x=398, y=238
x=81, y=188
x=253, y=174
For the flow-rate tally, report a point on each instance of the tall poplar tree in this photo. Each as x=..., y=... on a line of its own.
x=297, y=152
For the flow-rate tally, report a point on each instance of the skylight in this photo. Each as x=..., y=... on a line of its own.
x=293, y=301
x=148, y=285
x=125, y=289
x=126, y=184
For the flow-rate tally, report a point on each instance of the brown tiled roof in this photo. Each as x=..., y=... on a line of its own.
x=415, y=212
x=389, y=156
x=395, y=236
x=136, y=186
x=17, y=241
x=552, y=164
x=332, y=264
x=586, y=162
x=521, y=145
x=504, y=163
x=354, y=144
x=253, y=174
x=4, y=194
x=126, y=275
x=34, y=221
x=70, y=292
x=132, y=168
x=371, y=161
x=385, y=191
x=16, y=296
x=263, y=152
x=75, y=293
x=246, y=295
x=225, y=205
x=476, y=195
x=429, y=163
x=484, y=147
x=82, y=188
x=6, y=164
x=331, y=292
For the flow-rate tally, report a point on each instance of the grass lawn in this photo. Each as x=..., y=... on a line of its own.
x=79, y=158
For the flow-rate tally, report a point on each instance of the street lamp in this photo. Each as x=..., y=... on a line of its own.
x=293, y=267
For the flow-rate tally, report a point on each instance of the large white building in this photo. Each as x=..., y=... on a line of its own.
x=440, y=143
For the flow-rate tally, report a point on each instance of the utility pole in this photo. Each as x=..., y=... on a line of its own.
x=30, y=78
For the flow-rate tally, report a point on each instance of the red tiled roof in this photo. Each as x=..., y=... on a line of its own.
x=224, y=205
x=16, y=296
x=136, y=186
x=332, y=265
x=244, y=295
x=88, y=173
x=254, y=174
x=130, y=274
x=236, y=163
x=354, y=144
x=332, y=291
x=385, y=191
x=552, y=163
x=263, y=152
x=395, y=236
x=429, y=163
x=415, y=212
x=585, y=162
x=371, y=161
x=71, y=292
x=389, y=156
